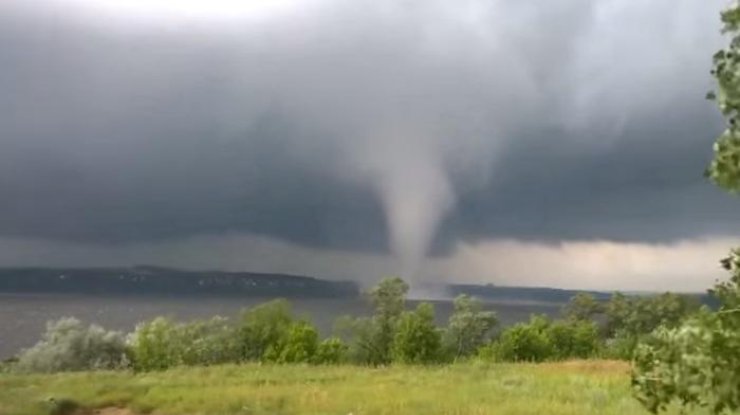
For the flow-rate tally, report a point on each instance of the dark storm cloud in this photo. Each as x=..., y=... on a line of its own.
x=567, y=120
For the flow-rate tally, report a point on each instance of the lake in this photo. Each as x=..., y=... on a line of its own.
x=23, y=317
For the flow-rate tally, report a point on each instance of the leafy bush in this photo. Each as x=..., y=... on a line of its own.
x=362, y=335
x=674, y=363
x=161, y=343
x=417, y=340
x=622, y=345
x=208, y=342
x=697, y=364
x=298, y=346
x=156, y=345
x=525, y=342
x=67, y=345
x=331, y=351
x=573, y=339
x=540, y=339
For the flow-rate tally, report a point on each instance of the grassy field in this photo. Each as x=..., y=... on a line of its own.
x=507, y=389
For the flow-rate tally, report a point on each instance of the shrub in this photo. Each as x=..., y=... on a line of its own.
x=331, y=351
x=161, y=343
x=156, y=345
x=622, y=345
x=208, y=342
x=362, y=334
x=525, y=342
x=698, y=363
x=489, y=352
x=417, y=340
x=573, y=339
x=67, y=345
x=298, y=346
x=675, y=364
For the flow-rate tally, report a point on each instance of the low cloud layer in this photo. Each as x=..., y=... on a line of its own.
x=376, y=129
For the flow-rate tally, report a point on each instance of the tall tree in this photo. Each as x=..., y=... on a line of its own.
x=699, y=364
x=583, y=306
x=417, y=340
x=724, y=169
x=373, y=337
x=469, y=326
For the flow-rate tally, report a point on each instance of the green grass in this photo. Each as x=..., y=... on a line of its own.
x=506, y=389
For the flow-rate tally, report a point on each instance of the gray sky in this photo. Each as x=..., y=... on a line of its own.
x=532, y=143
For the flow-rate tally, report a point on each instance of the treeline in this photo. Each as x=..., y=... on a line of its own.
x=272, y=333
x=149, y=280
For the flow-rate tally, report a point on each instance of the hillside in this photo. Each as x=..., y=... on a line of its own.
x=167, y=281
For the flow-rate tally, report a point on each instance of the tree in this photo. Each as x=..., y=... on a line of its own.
x=617, y=312
x=263, y=326
x=583, y=306
x=373, y=337
x=389, y=298
x=698, y=363
x=630, y=320
x=417, y=340
x=724, y=169
x=468, y=327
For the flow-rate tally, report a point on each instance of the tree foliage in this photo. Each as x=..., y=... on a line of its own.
x=573, y=339
x=417, y=339
x=525, y=341
x=698, y=363
x=162, y=343
x=373, y=337
x=208, y=342
x=541, y=339
x=299, y=345
x=724, y=169
x=583, y=306
x=469, y=327
x=262, y=327
x=643, y=314
x=630, y=320
x=155, y=345
x=68, y=345
x=331, y=351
